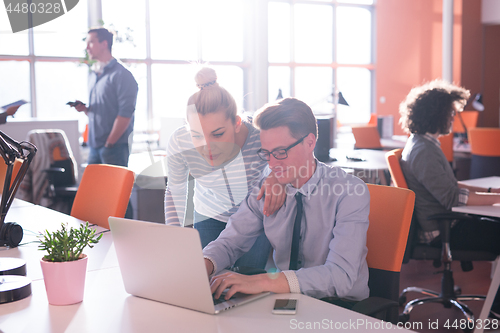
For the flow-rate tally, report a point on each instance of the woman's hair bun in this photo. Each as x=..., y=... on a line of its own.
x=205, y=77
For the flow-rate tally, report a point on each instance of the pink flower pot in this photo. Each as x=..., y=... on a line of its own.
x=64, y=281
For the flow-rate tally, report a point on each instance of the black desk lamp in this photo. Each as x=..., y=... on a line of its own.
x=327, y=129
x=13, y=284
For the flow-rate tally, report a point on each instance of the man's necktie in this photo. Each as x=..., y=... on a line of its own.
x=294, y=255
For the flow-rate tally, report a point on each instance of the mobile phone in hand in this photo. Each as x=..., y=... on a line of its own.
x=74, y=103
x=285, y=306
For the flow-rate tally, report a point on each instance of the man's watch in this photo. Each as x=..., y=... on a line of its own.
x=109, y=145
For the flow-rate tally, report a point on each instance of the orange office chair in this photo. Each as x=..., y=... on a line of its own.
x=447, y=146
x=393, y=157
x=367, y=137
x=449, y=295
x=3, y=171
x=470, y=120
x=485, y=149
x=391, y=209
x=373, y=119
x=104, y=191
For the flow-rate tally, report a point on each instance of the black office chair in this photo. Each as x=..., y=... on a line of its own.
x=51, y=180
x=449, y=295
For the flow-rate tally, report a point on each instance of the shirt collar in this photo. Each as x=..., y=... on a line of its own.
x=310, y=186
x=99, y=66
x=432, y=139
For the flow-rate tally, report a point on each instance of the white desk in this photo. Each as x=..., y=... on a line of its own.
x=485, y=182
x=373, y=161
x=108, y=308
x=493, y=211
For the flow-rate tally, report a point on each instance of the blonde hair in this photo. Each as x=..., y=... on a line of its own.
x=212, y=97
x=289, y=112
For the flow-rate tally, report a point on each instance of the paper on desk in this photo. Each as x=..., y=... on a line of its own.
x=16, y=103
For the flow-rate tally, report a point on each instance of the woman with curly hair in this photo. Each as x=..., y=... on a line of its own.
x=427, y=113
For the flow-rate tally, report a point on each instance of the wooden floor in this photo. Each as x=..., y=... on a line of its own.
x=422, y=274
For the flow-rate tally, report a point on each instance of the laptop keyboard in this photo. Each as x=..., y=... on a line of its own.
x=221, y=298
x=218, y=300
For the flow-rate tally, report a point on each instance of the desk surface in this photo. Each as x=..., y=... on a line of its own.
x=107, y=307
x=372, y=159
x=493, y=211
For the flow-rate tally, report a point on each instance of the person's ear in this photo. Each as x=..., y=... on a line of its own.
x=238, y=123
x=310, y=141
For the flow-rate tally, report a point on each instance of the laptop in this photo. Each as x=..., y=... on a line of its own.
x=165, y=264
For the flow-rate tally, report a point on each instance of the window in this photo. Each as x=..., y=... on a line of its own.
x=315, y=48
x=319, y=48
x=42, y=65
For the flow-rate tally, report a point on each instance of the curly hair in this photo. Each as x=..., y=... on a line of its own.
x=430, y=107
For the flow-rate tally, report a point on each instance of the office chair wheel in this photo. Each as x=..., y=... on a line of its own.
x=403, y=318
x=402, y=300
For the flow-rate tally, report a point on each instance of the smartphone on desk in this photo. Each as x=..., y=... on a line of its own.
x=285, y=306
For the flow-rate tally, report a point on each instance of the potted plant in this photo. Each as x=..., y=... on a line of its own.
x=64, y=266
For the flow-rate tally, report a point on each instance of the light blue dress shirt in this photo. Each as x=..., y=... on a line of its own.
x=332, y=252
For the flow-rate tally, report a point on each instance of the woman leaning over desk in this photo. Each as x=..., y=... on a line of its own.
x=219, y=149
x=428, y=113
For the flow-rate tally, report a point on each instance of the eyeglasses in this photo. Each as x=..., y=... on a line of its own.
x=279, y=154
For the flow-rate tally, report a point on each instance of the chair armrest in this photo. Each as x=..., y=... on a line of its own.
x=451, y=216
x=373, y=305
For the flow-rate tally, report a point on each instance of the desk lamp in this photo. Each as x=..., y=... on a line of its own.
x=327, y=129
x=14, y=285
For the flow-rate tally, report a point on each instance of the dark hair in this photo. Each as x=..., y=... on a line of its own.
x=430, y=107
x=103, y=34
x=289, y=112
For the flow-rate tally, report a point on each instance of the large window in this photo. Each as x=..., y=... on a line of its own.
x=318, y=48
x=314, y=49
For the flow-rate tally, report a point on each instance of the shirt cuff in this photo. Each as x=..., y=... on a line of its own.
x=213, y=263
x=293, y=282
x=463, y=196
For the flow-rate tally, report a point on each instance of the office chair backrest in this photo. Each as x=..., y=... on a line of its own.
x=393, y=159
x=391, y=210
x=104, y=191
x=485, y=141
x=367, y=137
x=447, y=146
x=470, y=120
x=3, y=172
x=485, y=149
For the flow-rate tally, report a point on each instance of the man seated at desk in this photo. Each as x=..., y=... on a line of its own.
x=428, y=113
x=327, y=257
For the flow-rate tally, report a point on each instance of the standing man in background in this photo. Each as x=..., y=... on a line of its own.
x=112, y=98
